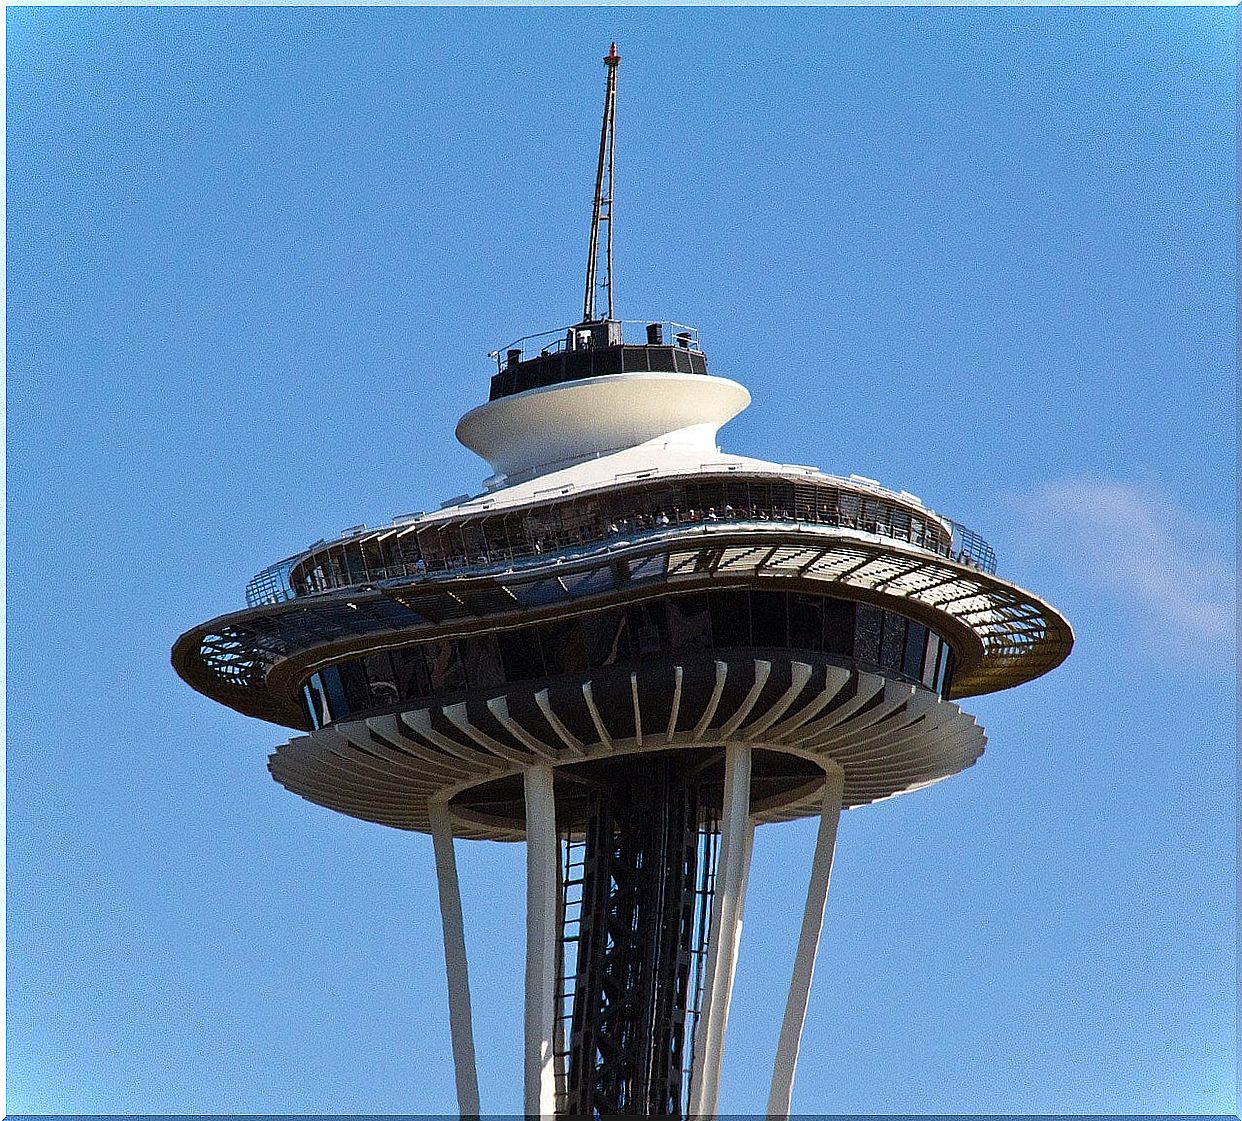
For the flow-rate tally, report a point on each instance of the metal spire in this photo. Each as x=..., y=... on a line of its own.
x=602, y=212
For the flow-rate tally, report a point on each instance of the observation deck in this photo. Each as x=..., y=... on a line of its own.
x=591, y=350
x=256, y=660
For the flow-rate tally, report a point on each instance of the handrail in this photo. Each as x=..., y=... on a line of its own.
x=628, y=531
x=560, y=334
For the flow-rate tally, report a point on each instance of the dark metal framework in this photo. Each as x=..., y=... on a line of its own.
x=639, y=936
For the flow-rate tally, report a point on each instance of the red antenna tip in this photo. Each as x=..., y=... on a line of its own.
x=612, y=58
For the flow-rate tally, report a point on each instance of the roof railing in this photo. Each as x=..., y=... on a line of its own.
x=659, y=332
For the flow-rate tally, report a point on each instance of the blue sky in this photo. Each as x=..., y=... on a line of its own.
x=256, y=258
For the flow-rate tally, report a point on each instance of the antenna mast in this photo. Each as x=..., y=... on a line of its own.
x=602, y=212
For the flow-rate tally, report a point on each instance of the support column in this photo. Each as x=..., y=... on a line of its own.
x=542, y=890
x=781, y=1094
x=460, y=1026
x=735, y=828
x=748, y=846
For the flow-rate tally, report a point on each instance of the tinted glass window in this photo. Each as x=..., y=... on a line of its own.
x=839, y=627
x=730, y=612
x=942, y=662
x=806, y=622
x=331, y=678
x=728, y=618
x=606, y=638
x=543, y=591
x=768, y=619
x=893, y=641
x=354, y=684
x=929, y=660
x=648, y=627
x=949, y=663
x=916, y=640
x=520, y=655
x=868, y=621
x=648, y=568
x=313, y=694
x=564, y=646
x=689, y=623
x=411, y=673
x=483, y=668
x=444, y=666
x=382, y=679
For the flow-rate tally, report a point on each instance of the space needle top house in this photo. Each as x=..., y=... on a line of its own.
x=628, y=650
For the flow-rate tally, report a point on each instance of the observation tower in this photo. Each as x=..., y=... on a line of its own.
x=628, y=650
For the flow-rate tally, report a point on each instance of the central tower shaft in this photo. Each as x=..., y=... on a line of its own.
x=647, y=874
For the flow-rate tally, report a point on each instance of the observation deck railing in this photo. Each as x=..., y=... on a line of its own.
x=666, y=333
x=274, y=586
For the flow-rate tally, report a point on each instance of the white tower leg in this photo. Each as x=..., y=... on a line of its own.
x=781, y=1094
x=735, y=829
x=542, y=889
x=461, y=1030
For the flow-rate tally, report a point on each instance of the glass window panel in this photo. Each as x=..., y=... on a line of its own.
x=942, y=663
x=383, y=680
x=648, y=627
x=606, y=636
x=444, y=666
x=356, y=570
x=354, y=684
x=867, y=624
x=916, y=642
x=950, y=664
x=730, y=611
x=893, y=641
x=313, y=699
x=337, y=705
x=806, y=622
x=411, y=673
x=482, y=656
x=768, y=618
x=929, y=660
x=564, y=646
x=520, y=654
x=839, y=627
x=689, y=623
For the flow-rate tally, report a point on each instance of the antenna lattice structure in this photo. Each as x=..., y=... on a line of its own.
x=601, y=214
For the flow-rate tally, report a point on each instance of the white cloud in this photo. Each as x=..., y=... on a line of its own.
x=1142, y=549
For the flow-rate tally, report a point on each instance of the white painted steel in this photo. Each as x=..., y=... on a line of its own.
x=572, y=421
x=890, y=737
x=731, y=871
x=461, y=1029
x=783, y=1070
x=748, y=847
x=542, y=884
